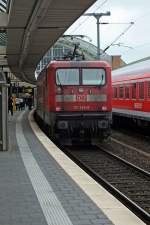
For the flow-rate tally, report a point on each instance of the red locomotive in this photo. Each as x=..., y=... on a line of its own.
x=131, y=92
x=74, y=99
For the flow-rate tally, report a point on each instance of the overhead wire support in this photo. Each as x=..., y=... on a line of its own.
x=112, y=43
x=98, y=16
x=88, y=18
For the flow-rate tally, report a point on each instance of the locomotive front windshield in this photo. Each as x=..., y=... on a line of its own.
x=93, y=76
x=67, y=77
x=88, y=76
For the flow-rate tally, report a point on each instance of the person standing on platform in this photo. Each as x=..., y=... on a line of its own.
x=10, y=105
x=30, y=102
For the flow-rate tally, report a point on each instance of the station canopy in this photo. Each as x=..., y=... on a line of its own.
x=3, y=9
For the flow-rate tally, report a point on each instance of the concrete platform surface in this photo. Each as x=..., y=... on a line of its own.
x=40, y=185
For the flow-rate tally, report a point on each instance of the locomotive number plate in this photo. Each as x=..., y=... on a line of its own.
x=81, y=98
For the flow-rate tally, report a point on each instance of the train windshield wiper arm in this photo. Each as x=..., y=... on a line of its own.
x=101, y=80
x=58, y=80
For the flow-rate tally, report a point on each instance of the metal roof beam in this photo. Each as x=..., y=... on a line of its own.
x=37, y=15
x=3, y=21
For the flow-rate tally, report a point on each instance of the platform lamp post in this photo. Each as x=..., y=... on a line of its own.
x=98, y=16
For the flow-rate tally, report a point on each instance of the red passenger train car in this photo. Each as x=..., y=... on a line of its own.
x=74, y=100
x=131, y=92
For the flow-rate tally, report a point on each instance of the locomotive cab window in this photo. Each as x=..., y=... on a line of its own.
x=67, y=76
x=94, y=76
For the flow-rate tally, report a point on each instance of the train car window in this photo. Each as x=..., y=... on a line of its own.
x=133, y=90
x=115, y=92
x=67, y=76
x=93, y=76
x=148, y=90
x=141, y=90
x=120, y=92
x=126, y=92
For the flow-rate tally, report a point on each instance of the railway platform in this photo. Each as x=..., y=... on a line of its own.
x=40, y=185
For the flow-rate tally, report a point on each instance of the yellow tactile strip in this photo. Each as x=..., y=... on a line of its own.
x=111, y=207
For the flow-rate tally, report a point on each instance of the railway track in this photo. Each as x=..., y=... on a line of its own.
x=140, y=143
x=131, y=149
x=130, y=184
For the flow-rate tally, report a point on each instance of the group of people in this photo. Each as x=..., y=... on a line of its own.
x=20, y=104
x=17, y=104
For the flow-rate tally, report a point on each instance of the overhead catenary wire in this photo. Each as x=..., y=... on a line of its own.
x=106, y=23
x=80, y=24
x=141, y=45
x=144, y=44
x=136, y=21
x=136, y=48
x=116, y=39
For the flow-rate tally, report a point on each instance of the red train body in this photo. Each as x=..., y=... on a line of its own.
x=74, y=99
x=131, y=92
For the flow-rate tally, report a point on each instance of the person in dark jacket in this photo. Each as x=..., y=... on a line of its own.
x=30, y=102
x=10, y=105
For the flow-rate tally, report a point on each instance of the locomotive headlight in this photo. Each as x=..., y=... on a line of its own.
x=58, y=108
x=104, y=108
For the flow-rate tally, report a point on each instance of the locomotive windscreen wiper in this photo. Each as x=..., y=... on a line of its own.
x=57, y=76
x=101, y=80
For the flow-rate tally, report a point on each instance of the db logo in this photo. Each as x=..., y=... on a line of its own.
x=81, y=98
